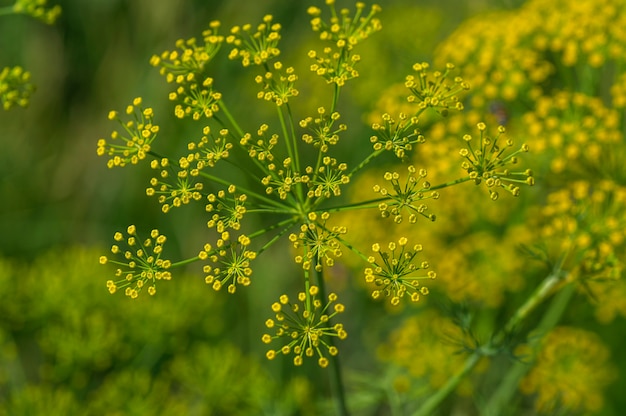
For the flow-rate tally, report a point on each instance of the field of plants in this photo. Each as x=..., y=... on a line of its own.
x=332, y=207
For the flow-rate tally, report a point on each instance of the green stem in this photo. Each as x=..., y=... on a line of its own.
x=544, y=290
x=336, y=378
x=508, y=386
x=230, y=118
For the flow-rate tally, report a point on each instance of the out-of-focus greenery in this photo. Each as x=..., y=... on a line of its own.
x=68, y=347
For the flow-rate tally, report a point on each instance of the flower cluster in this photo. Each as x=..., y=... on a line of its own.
x=319, y=244
x=586, y=223
x=305, y=326
x=190, y=58
x=397, y=272
x=142, y=264
x=396, y=136
x=337, y=62
x=184, y=190
x=258, y=47
x=228, y=263
x=434, y=90
x=136, y=136
x=574, y=130
x=15, y=87
x=38, y=9
x=406, y=198
x=570, y=372
x=488, y=162
x=278, y=87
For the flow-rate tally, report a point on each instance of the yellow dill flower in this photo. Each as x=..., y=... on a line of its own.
x=15, y=87
x=141, y=264
x=398, y=199
x=488, y=163
x=570, y=372
x=318, y=244
x=396, y=136
x=228, y=263
x=434, y=90
x=305, y=327
x=336, y=63
x=38, y=9
x=398, y=273
x=584, y=224
x=136, y=136
x=174, y=193
x=278, y=87
x=255, y=47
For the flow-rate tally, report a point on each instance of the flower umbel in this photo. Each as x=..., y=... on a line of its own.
x=398, y=273
x=38, y=9
x=142, y=265
x=489, y=163
x=15, y=87
x=229, y=262
x=255, y=48
x=434, y=90
x=407, y=197
x=136, y=136
x=305, y=326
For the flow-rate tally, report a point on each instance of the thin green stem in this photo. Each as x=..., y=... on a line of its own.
x=545, y=289
x=336, y=377
x=508, y=386
x=229, y=116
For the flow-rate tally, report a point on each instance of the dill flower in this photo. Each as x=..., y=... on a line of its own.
x=228, y=263
x=434, y=90
x=305, y=328
x=406, y=198
x=336, y=63
x=142, y=264
x=15, y=87
x=136, y=136
x=319, y=245
x=570, y=372
x=174, y=194
x=189, y=58
x=488, y=163
x=396, y=136
x=323, y=133
x=397, y=273
x=255, y=47
x=277, y=87
x=586, y=224
x=38, y=9
x=211, y=148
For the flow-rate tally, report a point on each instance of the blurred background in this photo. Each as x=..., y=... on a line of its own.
x=66, y=345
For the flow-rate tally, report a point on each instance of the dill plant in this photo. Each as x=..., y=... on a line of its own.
x=291, y=176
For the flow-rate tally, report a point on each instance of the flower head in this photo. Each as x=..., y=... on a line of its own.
x=570, y=372
x=434, y=90
x=38, y=9
x=488, y=163
x=134, y=138
x=318, y=244
x=228, y=263
x=305, y=327
x=178, y=191
x=142, y=264
x=255, y=47
x=397, y=272
x=337, y=62
x=15, y=87
x=396, y=136
x=277, y=86
x=406, y=198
